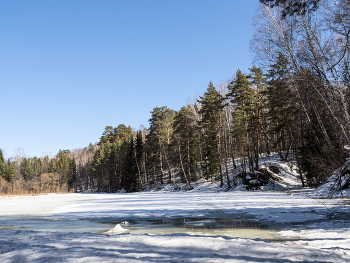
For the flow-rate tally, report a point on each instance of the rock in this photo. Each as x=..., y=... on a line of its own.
x=274, y=169
x=254, y=180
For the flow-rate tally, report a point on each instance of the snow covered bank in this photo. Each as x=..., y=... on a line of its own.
x=286, y=177
x=30, y=246
x=337, y=185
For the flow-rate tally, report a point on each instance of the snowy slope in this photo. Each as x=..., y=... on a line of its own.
x=288, y=175
x=331, y=188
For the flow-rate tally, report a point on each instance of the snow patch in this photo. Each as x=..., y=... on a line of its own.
x=116, y=230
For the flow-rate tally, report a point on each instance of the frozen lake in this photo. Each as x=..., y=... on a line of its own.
x=43, y=214
x=195, y=226
x=234, y=214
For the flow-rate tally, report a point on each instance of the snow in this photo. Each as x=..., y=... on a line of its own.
x=115, y=230
x=29, y=246
x=330, y=188
x=277, y=208
x=309, y=235
x=309, y=229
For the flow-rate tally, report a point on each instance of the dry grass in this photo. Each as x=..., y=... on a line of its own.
x=44, y=184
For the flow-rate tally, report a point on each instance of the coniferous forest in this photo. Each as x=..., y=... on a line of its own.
x=294, y=102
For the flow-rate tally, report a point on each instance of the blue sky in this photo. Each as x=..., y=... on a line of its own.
x=70, y=68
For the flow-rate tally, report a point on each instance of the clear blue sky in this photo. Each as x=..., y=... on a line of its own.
x=70, y=68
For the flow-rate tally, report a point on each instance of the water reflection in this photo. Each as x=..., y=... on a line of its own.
x=229, y=227
x=229, y=222
x=209, y=223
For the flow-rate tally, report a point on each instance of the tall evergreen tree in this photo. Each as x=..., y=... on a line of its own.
x=259, y=82
x=122, y=132
x=130, y=179
x=139, y=150
x=98, y=166
x=187, y=136
x=11, y=171
x=72, y=174
x=243, y=97
x=159, y=138
x=212, y=104
x=37, y=167
x=52, y=166
x=27, y=169
x=107, y=135
x=2, y=165
x=282, y=105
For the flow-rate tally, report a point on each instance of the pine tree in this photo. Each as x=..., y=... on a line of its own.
x=139, y=150
x=130, y=178
x=242, y=97
x=38, y=167
x=11, y=171
x=282, y=105
x=98, y=166
x=159, y=138
x=63, y=167
x=2, y=165
x=26, y=169
x=52, y=166
x=72, y=174
x=46, y=162
x=122, y=132
x=107, y=135
x=212, y=104
x=2, y=156
x=259, y=81
x=113, y=165
x=187, y=136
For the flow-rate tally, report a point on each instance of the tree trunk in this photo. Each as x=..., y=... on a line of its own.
x=169, y=169
x=161, y=166
x=182, y=167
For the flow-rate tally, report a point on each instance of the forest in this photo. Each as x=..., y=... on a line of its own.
x=294, y=102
